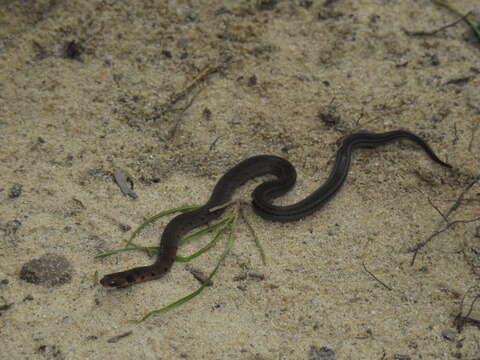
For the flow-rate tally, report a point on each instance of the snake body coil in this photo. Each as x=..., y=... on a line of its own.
x=262, y=198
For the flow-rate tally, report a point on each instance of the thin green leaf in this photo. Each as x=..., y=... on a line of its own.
x=147, y=249
x=255, y=238
x=153, y=250
x=201, y=232
x=155, y=218
x=183, y=300
x=204, y=249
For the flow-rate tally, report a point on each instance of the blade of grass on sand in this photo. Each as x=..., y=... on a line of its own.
x=147, y=249
x=204, y=249
x=183, y=300
x=206, y=230
x=153, y=250
x=155, y=218
x=255, y=237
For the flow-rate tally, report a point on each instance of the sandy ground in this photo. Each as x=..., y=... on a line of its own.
x=176, y=92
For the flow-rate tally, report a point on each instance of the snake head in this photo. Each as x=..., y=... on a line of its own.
x=117, y=280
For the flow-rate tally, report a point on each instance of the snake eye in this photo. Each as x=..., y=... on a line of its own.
x=111, y=282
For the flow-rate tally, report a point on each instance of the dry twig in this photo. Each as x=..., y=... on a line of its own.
x=448, y=224
x=373, y=276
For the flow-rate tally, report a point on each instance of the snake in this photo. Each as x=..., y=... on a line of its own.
x=284, y=179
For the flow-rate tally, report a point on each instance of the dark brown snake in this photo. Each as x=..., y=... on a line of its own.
x=262, y=198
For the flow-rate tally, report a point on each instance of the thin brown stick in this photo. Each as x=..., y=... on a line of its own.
x=115, y=339
x=170, y=105
x=377, y=279
x=474, y=130
x=460, y=198
x=473, y=25
x=460, y=319
x=415, y=249
x=431, y=33
x=437, y=209
x=207, y=71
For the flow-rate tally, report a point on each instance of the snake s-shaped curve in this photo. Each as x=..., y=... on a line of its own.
x=262, y=198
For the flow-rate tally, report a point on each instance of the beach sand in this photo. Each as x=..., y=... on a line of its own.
x=176, y=92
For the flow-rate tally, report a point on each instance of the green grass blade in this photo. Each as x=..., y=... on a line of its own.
x=189, y=297
x=172, y=305
x=255, y=238
x=204, y=249
x=201, y=232
x=147, y=249
x=155, y=218
x=153, y=250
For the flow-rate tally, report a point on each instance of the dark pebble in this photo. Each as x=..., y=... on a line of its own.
x=49, y=270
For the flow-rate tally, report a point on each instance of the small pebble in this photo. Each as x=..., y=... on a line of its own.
x=15, y=191
x=11, y=227
x=449, y=334
x=322, y=353
x=402, y=357
x=49, y=270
